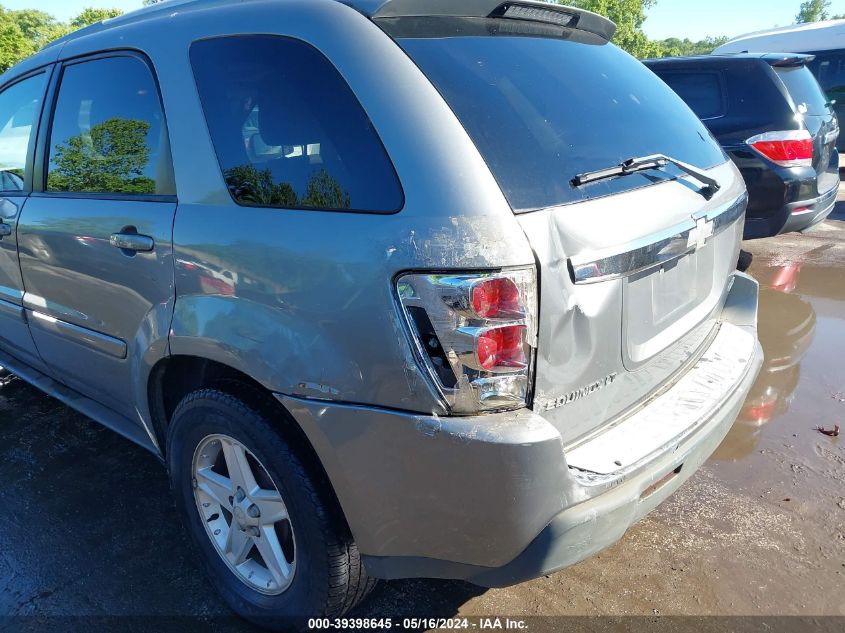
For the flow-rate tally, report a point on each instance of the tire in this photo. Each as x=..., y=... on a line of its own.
x=326, y=577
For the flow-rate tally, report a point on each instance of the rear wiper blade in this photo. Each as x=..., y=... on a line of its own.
x=655, y=161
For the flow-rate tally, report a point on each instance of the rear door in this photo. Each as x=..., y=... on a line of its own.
x=96, y=240
x=20, y=108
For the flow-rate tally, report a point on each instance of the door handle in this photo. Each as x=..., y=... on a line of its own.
x=132, y=242
x=5, y=230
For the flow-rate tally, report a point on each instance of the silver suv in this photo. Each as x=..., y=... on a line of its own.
x=394, y=288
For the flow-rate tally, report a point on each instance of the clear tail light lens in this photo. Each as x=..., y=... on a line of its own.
x=793, y=148
x=476, y=335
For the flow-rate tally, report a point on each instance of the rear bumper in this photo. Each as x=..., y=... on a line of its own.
x=493, y=499
x=805, y=215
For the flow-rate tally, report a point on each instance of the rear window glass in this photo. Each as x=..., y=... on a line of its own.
x=805, y=89
x=288, y=130
x=542, y=110
x=701, y=91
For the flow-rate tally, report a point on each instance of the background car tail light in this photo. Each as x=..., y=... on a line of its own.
x=476, y=335
x=793, y=148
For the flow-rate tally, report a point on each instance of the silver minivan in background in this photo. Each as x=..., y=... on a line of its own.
x=394, y=288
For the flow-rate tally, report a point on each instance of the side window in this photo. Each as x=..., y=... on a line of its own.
x=287, y=128
x=20, y=107
x=108, y=134
x=701, y=91
x=829, y=68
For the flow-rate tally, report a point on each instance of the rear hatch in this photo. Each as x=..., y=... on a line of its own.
x=817, y=115
x=633, y=269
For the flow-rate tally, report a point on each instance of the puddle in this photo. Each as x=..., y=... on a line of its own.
x=802, y=383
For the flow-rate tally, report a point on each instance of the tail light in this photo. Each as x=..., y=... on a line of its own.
x=476, y=335
x=793, y=148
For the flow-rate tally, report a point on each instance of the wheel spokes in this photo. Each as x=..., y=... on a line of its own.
x=272, y=507
x=274, y=558
x=244, y=514
x=216, y=486
x=240, y=470
x=238, y=546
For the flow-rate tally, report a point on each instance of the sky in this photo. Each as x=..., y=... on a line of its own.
x=695, y=19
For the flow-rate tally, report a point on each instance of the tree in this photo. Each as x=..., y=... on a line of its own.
x=674, y=47
x=92, y=16
x=111, y=156
x=38, y=27
x=250, y=185
x=14, y=45
x=813, y=11
x=147, y=3
x=629, y=16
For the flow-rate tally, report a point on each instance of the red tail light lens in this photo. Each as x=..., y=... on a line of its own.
x=502, y=347
x=495, y=298
x=788, y=149
x=475, y=334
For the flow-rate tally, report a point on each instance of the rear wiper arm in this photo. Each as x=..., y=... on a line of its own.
x=655, y=161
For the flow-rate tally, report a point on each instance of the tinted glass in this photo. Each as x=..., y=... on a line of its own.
x=287, y=128
x=804, y=88
x=829, y=69
x=108, y=133
x=543, y=110
x=20, y=107
x=701, y=91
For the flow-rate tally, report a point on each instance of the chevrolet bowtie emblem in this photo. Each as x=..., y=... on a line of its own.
x=702, y=232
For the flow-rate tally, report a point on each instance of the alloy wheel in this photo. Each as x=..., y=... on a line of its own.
x=244, y=514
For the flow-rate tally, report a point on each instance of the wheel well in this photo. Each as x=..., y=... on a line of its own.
x=175, y=377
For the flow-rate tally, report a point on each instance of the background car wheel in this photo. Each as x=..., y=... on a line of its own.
x=261, y=513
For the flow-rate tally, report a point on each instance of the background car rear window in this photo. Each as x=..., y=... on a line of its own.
x=108, y=134
x=701, y=91
x=542, y=110
x=804, y=88
x=20, y=105
x=288, y=130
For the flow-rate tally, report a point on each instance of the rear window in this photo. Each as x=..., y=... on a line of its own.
x=805, y=89
x=542, y=110
x=701, y=91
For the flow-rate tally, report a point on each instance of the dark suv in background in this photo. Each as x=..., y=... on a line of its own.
x=772, y=118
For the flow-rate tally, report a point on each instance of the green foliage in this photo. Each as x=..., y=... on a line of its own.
x=111, y=157
x=251, y=186
x=92, y=16
x=14, y=45
x=629, y=16
x=813, y=11
x=26, y=31
x=674, y=47
x=257, y=187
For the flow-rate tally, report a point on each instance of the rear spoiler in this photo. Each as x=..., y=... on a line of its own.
x=788, y=60
x=526, y=10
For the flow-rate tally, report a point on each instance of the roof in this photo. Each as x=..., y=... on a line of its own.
x=792, y=28
x=383, y=9
x=773, y=59
x=797, y=38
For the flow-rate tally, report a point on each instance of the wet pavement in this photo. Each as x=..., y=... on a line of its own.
x=87, y=527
